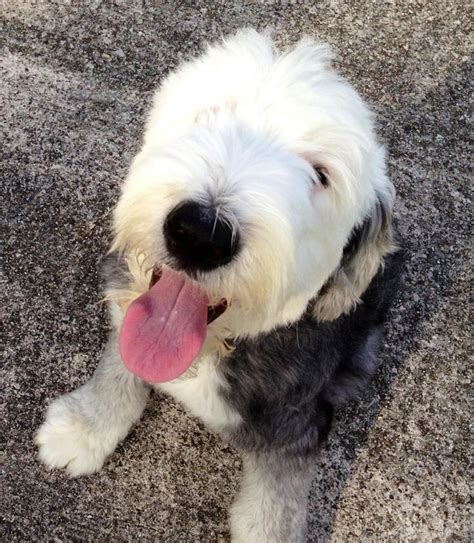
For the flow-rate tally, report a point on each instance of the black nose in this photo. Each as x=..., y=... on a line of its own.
x=198, y=238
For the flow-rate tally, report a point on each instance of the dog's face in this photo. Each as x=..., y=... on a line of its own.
x=256, y=199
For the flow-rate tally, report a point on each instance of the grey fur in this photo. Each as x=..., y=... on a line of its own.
x=272, y=500
x=365, y=251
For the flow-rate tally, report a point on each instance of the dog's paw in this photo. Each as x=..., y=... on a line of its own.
x=67, y=440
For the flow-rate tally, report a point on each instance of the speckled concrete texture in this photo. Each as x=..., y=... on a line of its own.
x=75, y=83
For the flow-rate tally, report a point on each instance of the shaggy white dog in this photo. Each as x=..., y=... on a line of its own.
x=254, y=261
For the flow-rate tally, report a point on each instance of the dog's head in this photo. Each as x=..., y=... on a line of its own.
x=260, y=180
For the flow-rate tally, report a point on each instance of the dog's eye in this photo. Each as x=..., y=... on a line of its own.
x=322, y=176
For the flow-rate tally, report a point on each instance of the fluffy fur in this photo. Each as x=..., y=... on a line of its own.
x=285, y=150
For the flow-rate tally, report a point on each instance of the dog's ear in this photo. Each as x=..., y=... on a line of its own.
x=363, y=255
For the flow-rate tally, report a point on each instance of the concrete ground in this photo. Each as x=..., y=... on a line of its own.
x=76, y=80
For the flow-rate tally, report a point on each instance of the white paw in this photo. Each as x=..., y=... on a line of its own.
x=67, y=440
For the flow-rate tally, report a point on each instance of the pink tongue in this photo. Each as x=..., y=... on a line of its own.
x=164, y=329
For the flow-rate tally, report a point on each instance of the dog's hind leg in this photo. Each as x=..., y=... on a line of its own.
x=272, y=501
x=83, y=427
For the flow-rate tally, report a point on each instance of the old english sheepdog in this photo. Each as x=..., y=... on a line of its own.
x=253, y=264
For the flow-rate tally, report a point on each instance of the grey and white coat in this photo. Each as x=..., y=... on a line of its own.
x=276, y=156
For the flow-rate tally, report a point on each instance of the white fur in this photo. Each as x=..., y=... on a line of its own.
x=83, y=427
x=199, y=393
x=243, y=127
x=65, y=441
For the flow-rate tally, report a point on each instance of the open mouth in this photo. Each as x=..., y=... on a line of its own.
x=213, y=311
x=164, y=329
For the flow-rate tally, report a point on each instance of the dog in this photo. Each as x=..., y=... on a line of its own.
x=253, y=264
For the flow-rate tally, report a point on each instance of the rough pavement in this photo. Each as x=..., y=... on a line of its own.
x=75, y=84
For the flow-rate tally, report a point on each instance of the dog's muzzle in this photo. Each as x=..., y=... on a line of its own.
x=198, y=238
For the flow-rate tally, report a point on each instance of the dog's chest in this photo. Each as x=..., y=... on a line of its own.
x=201, y=394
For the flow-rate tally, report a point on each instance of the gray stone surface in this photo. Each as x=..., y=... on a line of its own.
x=75, y=83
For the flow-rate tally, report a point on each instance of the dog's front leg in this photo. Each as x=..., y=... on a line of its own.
x=83, y=427
x=272, y=502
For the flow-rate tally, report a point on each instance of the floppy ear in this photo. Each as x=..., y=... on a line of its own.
x=363, y=255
